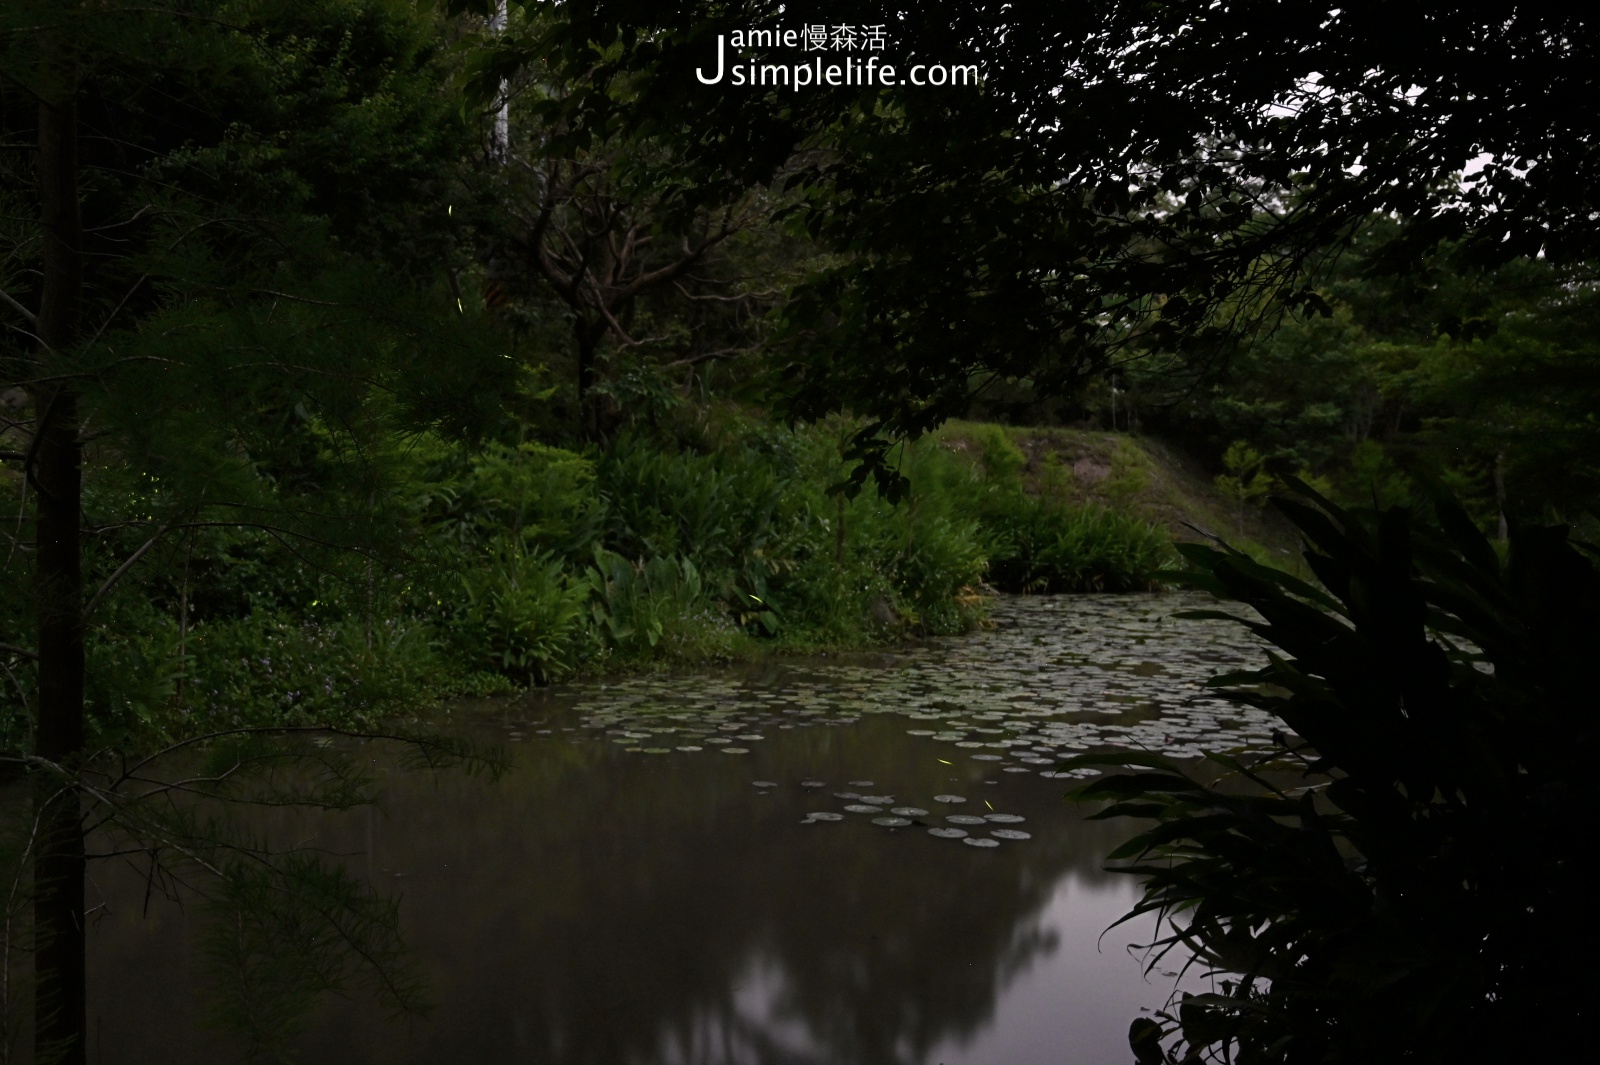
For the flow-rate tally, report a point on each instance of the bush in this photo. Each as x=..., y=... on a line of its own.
x=1401, y=881
x=1038, y=545
x=544, y=497
x=276, y=669
x=659, y=608
x=522, y=615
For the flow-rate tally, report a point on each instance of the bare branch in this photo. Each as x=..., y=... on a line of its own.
x=293, y=298
x=32, y=318
x=720, y=353
x=742, y=297
x=124, y=568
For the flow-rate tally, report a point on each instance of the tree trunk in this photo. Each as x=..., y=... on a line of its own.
x=500, y=131
x=1500, y=493
x=591, y=418
x=57, y=478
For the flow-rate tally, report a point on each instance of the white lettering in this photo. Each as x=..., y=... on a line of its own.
x=700, y=72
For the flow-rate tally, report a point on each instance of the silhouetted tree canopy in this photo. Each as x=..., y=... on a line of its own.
x=1128, y=178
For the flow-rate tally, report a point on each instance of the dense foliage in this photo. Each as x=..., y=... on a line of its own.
x=1484, y=376
x=1399, y=882
x=1198, y=160
x=518, y=564
x=316, y=404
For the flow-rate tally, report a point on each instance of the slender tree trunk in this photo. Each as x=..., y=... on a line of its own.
x=838, y=535
x=590, y=419
x=58, y=477
x=500, y=132
x=1500, y=492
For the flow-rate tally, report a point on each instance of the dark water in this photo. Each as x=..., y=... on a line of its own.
x=617, y=898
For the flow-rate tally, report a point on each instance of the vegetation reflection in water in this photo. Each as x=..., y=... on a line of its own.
x=601, y=905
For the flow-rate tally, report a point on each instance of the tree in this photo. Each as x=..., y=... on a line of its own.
x=1128, y=178
x=1483, y=374
x=219, y=195
x=606, y=253
x=596, y=230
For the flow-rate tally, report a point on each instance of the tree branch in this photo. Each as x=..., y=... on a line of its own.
x=124, y=568
x=32, y=318
x=696, y=360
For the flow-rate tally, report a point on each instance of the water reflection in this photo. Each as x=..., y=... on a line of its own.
x=601, y=906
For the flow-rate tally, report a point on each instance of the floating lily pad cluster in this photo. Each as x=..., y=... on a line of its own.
x=941, y=826
x=1056, y=676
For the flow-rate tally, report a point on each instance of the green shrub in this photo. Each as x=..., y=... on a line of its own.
x=937, y=572
x=659, y=608
x=1037, y=545
x=544, y=497
x=717, y=510
x=1402, y=881
x=134, y=672
x=523, y=615
x=276, y=669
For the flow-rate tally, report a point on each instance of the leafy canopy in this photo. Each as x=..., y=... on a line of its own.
x=1128, y=176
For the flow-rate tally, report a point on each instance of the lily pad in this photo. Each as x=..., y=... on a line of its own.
x=892, y=822
x=881, y=800
x=763, y=784
x=735, y=750
x=909, y=811
x=813, y=784
x=1004, y=819
x=964, y=819
x=861, y=808
x=691, y=747
x=859, y=783
x=823, y=817
x=948, y=798
x=986, y=758
x=947, y=833
x=972, y=842
x=1010, y=833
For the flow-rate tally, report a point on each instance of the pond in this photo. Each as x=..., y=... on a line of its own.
x=859, y=859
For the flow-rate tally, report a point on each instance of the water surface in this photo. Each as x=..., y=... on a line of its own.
x=672, y=873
